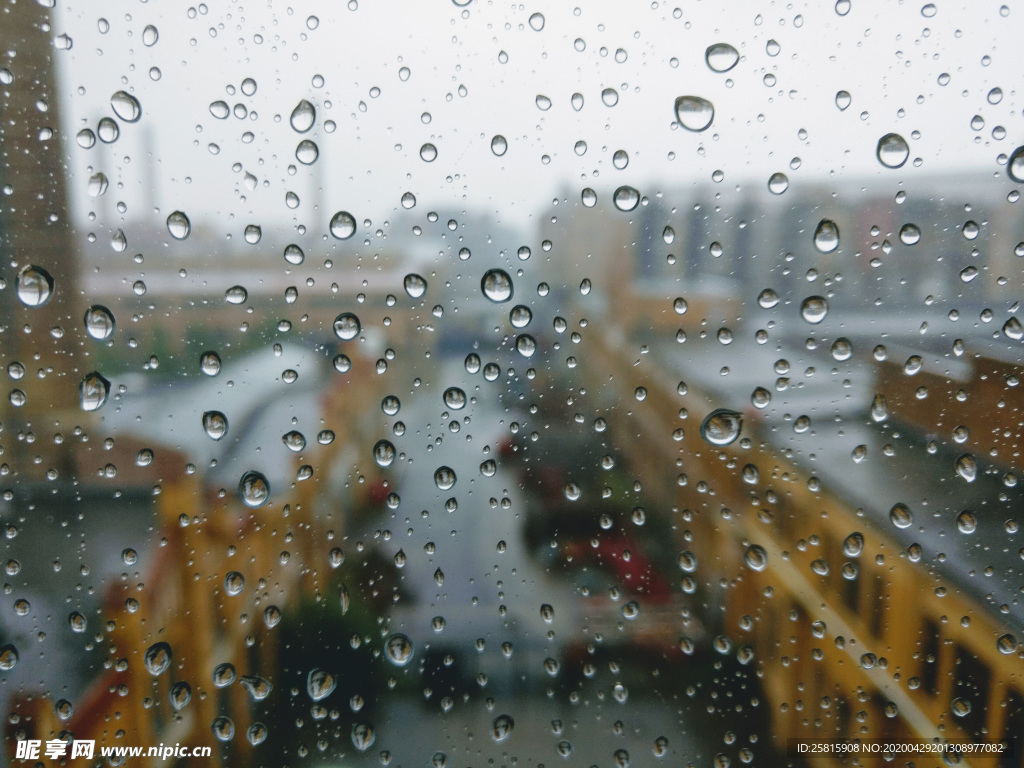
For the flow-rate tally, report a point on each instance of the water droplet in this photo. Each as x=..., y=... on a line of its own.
x=1012, y=329
x=444, y=478
x=307, y=152
x=609, y=97
x=1015, y=165
x=526, y=345
x=180, y=695
x=1006, y=644
x=383, y=453
x=721, y=426
x=253, y=234
x=362, y=736
x=721, y=57
x=93, y=391
x=347, y=326
x=960, y=707
x=408, y=200
x=220, y=110
x=302, y=117
x=901, y=516
x=966, y=467
x=178, y=225
x=223, y=728
x=626, y=198
x=320, y=684
x=892, y=150
x=428, y=153
x=756, y=558
x=537, y=22
x=694, y=113
x=150, y=35
x=910, y=234
x=454, y=398
x=294, y=440
x=502, y=727
x=86, y=138
x=98, y=184
x=497, y=285
x=77, y=622
x=157, y=658
x=843, y=99
x=254, y=489
x=391, y=405
x=826, y=236
x=236, y=294
x=543, y=103
x=209, y=363
x=126, y=106
x=572, y=491
x=399, y=650
x=760, y=398
x=223, y=675
x=8, y=658
x=256, y=734
x=853, y=544
x=813, y=309
x=589, y=197
x=107, y=130
x=35, y=286
x=272, y=616
x=415, y=285
x=499, y=145
x=256, y=686
x=547, y=613
x=778, y=183
x=215, y=424
x=577, y=101
x=967, y=522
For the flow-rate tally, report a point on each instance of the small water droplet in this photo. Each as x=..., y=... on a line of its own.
x=256, y=734
x=694, y=113
x=150, y=35
x=383, y=453
x=307, y=152
x=98, y=184
x=223, y=728
x=1015, y=165
x=1013, y=329
x=236, y=294
x=892, y=150
x=502, y=727
x=960, y=707
x=589, y=197
x=756, y=557
x=223, y=675
x=499, y=145
x=967, y=522
x=254, y=489
x=363, y=736
x=215, y=424
x=107, y=130
x=428, y=153
x=320, y=684
x=1006, y=644
x=609, y=97
x=408, y=200
x=843, y=99
x=966, y=467
x=415, y=285
x=180, y=695
x=294, y=440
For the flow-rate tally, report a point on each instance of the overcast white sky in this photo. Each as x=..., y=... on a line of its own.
x=888, y=55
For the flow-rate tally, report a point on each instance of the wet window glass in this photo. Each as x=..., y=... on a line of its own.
x=466, y=383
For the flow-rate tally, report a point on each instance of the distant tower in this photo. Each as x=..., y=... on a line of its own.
x=34, y=230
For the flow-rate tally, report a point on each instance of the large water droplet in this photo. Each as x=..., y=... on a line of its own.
x=320, y=684
x=901, y=516
x=892, y=150
x=826, y=236
x=1012, y=329
x=497, y=285
x=408, y=200
x=853, y=544
x=8, y=658
x=257, y=687
x=107, y=130
x=961, y=707
x=254, y=489
x=444, y=478
x=363, y=735
x=294, y=255
x=879, y=408
x=967, y=467
x=1015, y=165
x=626, y=198
x=813, y=309
x=178, y=225
x=967, y=522
x=609, y=97
x=236, y=294
x=1006, y=644
x=223, y=728
x=756, y=557
x=499, y=145
x=721, y=57
x=383, y=453
x=294, y=440
x=126, y=107
x=150, y=35
x=843, y=99
x=157, y=658
x=526, y=345
x=256, y=734
x=98, y=184
x=209, y=363
x=588, y=197
x=502, y=727
x=223, y=675
x=347, y=326
x=415, y=285
x=454, y=398
x=721, y=426
x=694, y=113
x=537, y=22
x=399, y=650
x=215, y=424
x=307, y=152
x=180, y=695
x=303, y=116
x=35, y=286
x=93, y=391
x=910, y=234
x=343, y=225
x=778, y=183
